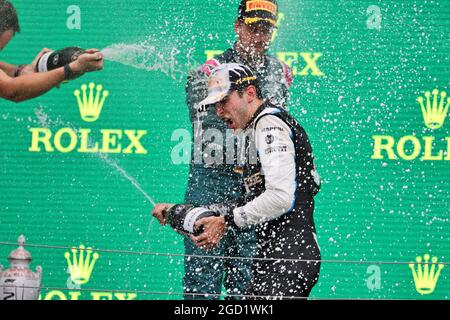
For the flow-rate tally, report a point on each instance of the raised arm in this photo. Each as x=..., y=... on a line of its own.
x=33, y=85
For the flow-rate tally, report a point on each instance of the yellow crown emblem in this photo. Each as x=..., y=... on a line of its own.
x=425, y=274
x=91, y=105
x=81, y=265
x=434, y=112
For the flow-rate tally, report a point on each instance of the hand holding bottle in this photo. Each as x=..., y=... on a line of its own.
x=91, y=60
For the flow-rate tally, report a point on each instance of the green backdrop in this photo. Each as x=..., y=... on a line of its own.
x=359, y=71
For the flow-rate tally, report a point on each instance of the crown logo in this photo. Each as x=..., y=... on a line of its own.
x=81, y=265
x=434, y=110
x=425, y=274
x=91, y=105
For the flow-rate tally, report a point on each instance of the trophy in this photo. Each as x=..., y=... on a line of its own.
x=19, y=282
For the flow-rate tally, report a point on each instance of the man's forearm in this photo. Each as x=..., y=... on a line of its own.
x=226, y=209
x=33, y=85
x=9, y=69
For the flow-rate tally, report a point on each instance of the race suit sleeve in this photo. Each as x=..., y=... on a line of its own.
x=275, y=147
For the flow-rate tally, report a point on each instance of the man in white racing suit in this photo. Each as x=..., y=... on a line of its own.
x=280, y=183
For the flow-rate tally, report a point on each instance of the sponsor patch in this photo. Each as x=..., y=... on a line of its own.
x=276, y=149
x=270, y=139
x=262, y=5
x=269, y=129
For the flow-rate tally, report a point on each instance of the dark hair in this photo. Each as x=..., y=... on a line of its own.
x=241, y=89
x=8, y=17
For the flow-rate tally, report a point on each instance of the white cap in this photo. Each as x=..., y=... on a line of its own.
x=223, y=78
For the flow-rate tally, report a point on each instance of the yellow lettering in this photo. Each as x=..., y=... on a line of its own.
x=66, y=140
x=135, y=137
x=447, y=158
x=125, y=296
x=110, y=142
x=211, y=54
x=74, y=295
x=84, y=147
x=290, y=58
x=311, y=62
x=385, y=143
x=55, y=294
x=101, y=296
x=401, y=148
x=429, y=150
x=40, y=135
x=73, y=140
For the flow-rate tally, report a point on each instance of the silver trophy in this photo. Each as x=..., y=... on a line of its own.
x=19, y=282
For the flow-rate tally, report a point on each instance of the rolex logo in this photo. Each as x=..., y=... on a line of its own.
x=91, y=99
x=425, y=274
x=81, y=264
x=91, y=103
x=434, y=108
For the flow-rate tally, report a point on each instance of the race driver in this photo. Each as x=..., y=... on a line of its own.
x=280, y=182
x=212, y=180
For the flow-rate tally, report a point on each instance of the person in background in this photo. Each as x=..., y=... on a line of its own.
x=21, y=82
x=220, y=181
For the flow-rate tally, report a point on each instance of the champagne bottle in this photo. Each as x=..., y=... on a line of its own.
x=183, y=217
x=57, y=59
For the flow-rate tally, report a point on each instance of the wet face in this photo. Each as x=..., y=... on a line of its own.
x=254, y=39
x=5, y=38
x=234, y=110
